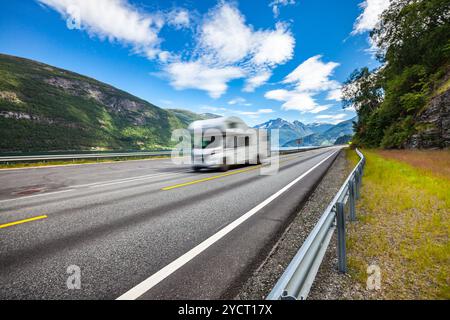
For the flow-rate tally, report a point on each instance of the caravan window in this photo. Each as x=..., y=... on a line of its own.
x=207, y=141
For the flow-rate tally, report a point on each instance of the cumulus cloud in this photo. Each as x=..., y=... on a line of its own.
x=115, y=20
x=273, y=47
x=184, y=75
x=372, y=10
x=224, y=41
x=276, y=4
x=313, y=75
x=309, y=79
x=295, y=100
x=225, y=46
x=239, y=101
x=179, y=18
x=256, y=81
x=224, y=36
x=335, y=94
x=255, y=114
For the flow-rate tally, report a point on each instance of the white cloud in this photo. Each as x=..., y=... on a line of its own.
x=369, y=18
x=294, y=100
x=115, y=20
x=225, y=46
x=265, y=111
x=195, y=75
x=239, y=101
x=332, y=118
x=335, y=117
x=335, y=94
x=308, y=80
x=255, y=114
x=319, y=109
x=256, y=81
x=225, y=36
x=276, y=4
x=313, y=75
x=273, y=47
x=179, y=18
x=226, y=42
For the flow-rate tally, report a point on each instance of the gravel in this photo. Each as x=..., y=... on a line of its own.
x=329, y=283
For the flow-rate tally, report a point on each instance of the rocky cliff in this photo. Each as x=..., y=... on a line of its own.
x=433, y=125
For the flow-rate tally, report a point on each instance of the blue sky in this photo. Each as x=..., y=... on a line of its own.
x=279, y=58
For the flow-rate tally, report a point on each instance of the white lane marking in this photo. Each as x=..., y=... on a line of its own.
x=98, y=184
x=112, y=182
x=36, y=195
x=159, y=276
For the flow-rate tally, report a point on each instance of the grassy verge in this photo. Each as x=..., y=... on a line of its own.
x=403, y=227
x=75, y=162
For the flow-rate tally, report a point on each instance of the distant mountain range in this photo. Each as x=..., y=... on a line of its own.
x=314, y=134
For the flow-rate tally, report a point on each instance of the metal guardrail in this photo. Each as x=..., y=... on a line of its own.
x=297, y=279
x=43, y=158
x=9, y=159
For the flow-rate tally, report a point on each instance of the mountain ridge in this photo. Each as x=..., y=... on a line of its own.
x=311, y=134
x=45, y=108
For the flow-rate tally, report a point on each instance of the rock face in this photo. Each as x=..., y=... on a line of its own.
x=433, y=125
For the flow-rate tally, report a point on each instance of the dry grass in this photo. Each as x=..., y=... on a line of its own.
x=404, y=225
x=435, y=162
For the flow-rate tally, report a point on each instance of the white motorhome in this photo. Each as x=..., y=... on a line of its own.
x=224, y=142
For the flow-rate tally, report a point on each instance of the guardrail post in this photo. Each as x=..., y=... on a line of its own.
x=351, y=190
x=358, y=183
x=340, y=217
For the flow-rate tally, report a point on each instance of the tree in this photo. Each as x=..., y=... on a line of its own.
x=363, y=92
x=413, y=43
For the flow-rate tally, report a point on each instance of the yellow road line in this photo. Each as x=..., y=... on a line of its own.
x=219, y=176
x=209, y=178
x=6, y=225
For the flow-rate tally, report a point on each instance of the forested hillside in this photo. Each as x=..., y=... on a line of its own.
x=43, y=108
x=405, y=103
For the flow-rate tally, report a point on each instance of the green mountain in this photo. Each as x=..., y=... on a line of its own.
x=43, y=108
x=187, y=117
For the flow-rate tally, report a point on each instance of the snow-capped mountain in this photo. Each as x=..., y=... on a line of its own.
x=319, y=127
x=311, y=134
x=288, y=131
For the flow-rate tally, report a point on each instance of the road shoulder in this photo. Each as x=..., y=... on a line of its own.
x=264, y=278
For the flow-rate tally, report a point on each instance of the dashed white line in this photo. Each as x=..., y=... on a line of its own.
x=36, y=195
x=93, y=185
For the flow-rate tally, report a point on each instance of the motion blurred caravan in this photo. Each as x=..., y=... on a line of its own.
x=224, y=142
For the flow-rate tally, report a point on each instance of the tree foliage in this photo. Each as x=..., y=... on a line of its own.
x=413, y=41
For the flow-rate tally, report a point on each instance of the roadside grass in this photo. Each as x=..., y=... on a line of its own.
x=436, y=162
x=76, y=162
x=403, y=227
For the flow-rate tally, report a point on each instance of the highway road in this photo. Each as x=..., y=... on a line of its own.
x=145, y=229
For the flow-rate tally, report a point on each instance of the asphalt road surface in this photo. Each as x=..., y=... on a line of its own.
x=144, y=229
